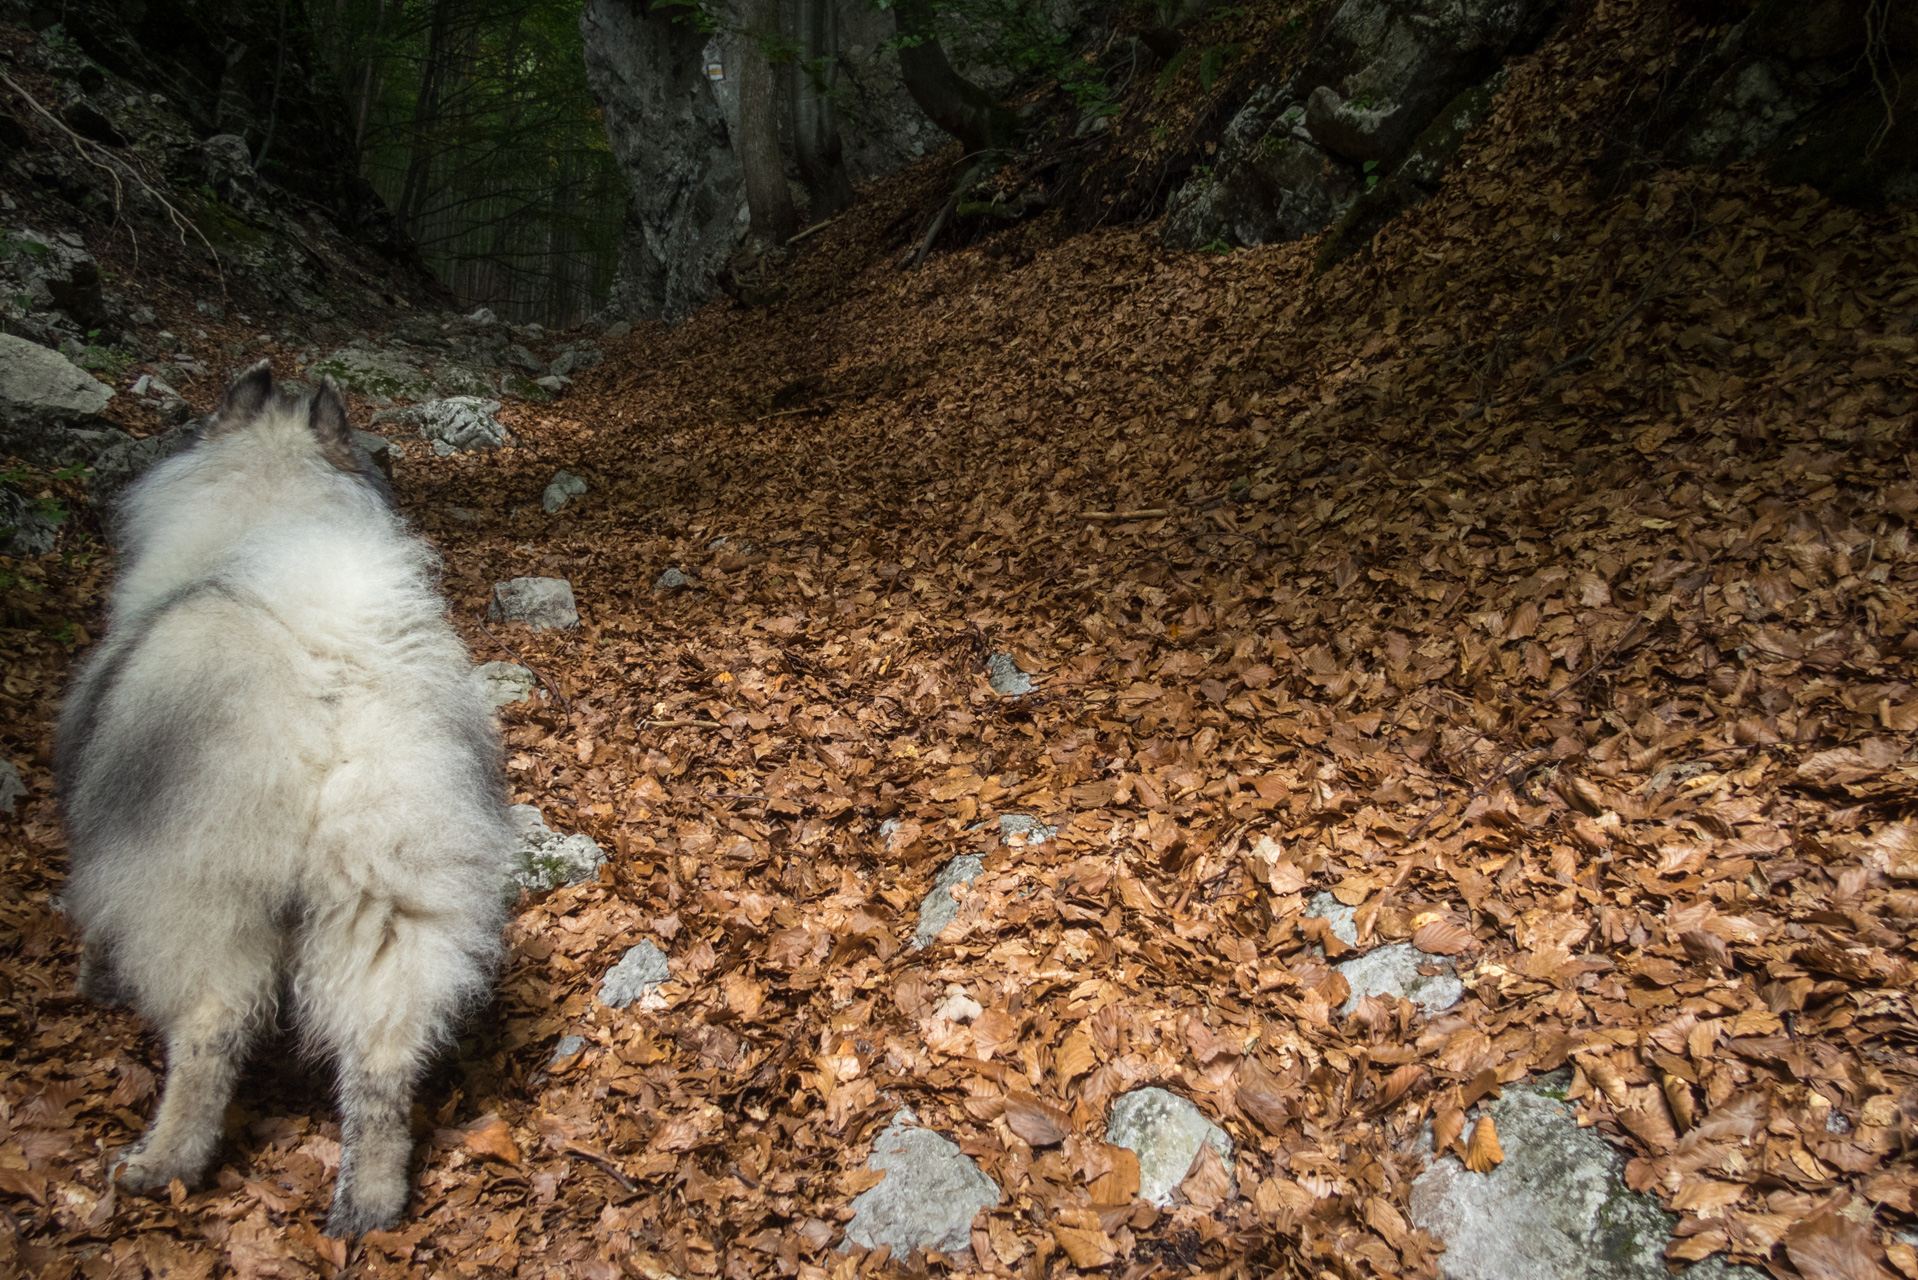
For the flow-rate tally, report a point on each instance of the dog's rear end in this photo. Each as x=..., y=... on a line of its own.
x=279, y=778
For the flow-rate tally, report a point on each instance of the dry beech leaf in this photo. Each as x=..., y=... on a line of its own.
x=492, y=1137
x=1075, y=1056
x=1206, y=1183
x=1706, y=948
x=1261, y=1095
x=1402, y=1078
x=1118, y=1186
x=1831, y=1247
x=1005, y=1241
x=1442, y=938
x=994, y=1031
x=1037, y=1123
x=1447, y=1125
x=1482, y=1152
x=1082, y=1237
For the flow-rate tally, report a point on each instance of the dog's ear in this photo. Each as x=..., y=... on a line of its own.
x=327, y=419
x=242, y=403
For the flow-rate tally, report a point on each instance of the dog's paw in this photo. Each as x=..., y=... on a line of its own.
x=138, y=1170
x=351, y=1217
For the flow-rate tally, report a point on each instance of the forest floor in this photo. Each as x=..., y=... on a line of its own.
x=1540, y=584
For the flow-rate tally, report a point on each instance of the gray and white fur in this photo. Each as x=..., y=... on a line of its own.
x=280, y=782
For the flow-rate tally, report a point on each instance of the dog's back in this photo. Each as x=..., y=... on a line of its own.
x=278, y=773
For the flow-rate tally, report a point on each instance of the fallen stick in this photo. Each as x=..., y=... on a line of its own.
x=682, y=724
x=1146, y=513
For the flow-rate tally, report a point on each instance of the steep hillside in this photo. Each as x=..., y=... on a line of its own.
x=1528, y=601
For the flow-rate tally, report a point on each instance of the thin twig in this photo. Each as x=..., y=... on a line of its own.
x=543, y=679
x=81, y=145
x=682, y=724
x=817, y=226
x=606, y=1165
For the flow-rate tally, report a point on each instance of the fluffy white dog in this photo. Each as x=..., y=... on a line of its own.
x=280, y=781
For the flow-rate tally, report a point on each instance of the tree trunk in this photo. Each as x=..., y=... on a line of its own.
x=762, y=165
x=426, y=109
x=954, y=103
x=822, y=162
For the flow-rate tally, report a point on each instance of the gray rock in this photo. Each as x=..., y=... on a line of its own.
x=461, y=423
x=541, y=603
x=50, y=407
x=640, y=970
x=564, y=485
x=12, y=789
x=1347, y=129
x=526, y=360
x=1393, y=971
x=549, y=859
x=505, y=682
x=1005, y=677
x=619, y=329
x=465, y=515
x=378, y=451
x=929, y=1197
x=1026, y=827
x=1294, y=159
x=567, y=1047
x=1272, y=182
x=552, y=383
x=574, y=359
x=672, y=131
x=373, y=371
x=673, y=579
x=128, y=459
x=60, y=275
x=24, y=531
x=939, y=907
x=484, y=316
x=1164, y=1131
x=1556, y=1208
x=1344, y=919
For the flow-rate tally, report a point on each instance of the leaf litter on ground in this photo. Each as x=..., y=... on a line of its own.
x=1540, y=585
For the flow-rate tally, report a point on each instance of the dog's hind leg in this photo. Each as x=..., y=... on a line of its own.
x=379, y=994
x=206, y=1043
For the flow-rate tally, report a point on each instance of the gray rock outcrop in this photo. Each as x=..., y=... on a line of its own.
x=1003, y=674
x=1392, y=971
x=50, y=407
x=503, y=683
x=25, y=530
x=563, y=485
x=930, y=1194
x=127, y=459
x=1556, y=1208
x=939, y=907
x=671, y=128
x=640, y=970
x=452, y=424
x=548, y=859
x=12, y=789
x=1298, y=156
x=1164, y=1131
x=541, y=603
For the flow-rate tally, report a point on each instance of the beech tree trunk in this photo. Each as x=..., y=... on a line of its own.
x=763, y=167
x=954, y=103
x=822, y=162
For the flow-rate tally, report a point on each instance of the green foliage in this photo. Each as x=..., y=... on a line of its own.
x=476, y=124
x=1371, y=171
x=1217, y=246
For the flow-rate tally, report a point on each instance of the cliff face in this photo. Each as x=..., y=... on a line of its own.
x=243, y=70
x=672, y=127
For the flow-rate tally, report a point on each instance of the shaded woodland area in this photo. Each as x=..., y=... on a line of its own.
x=1343, y=573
